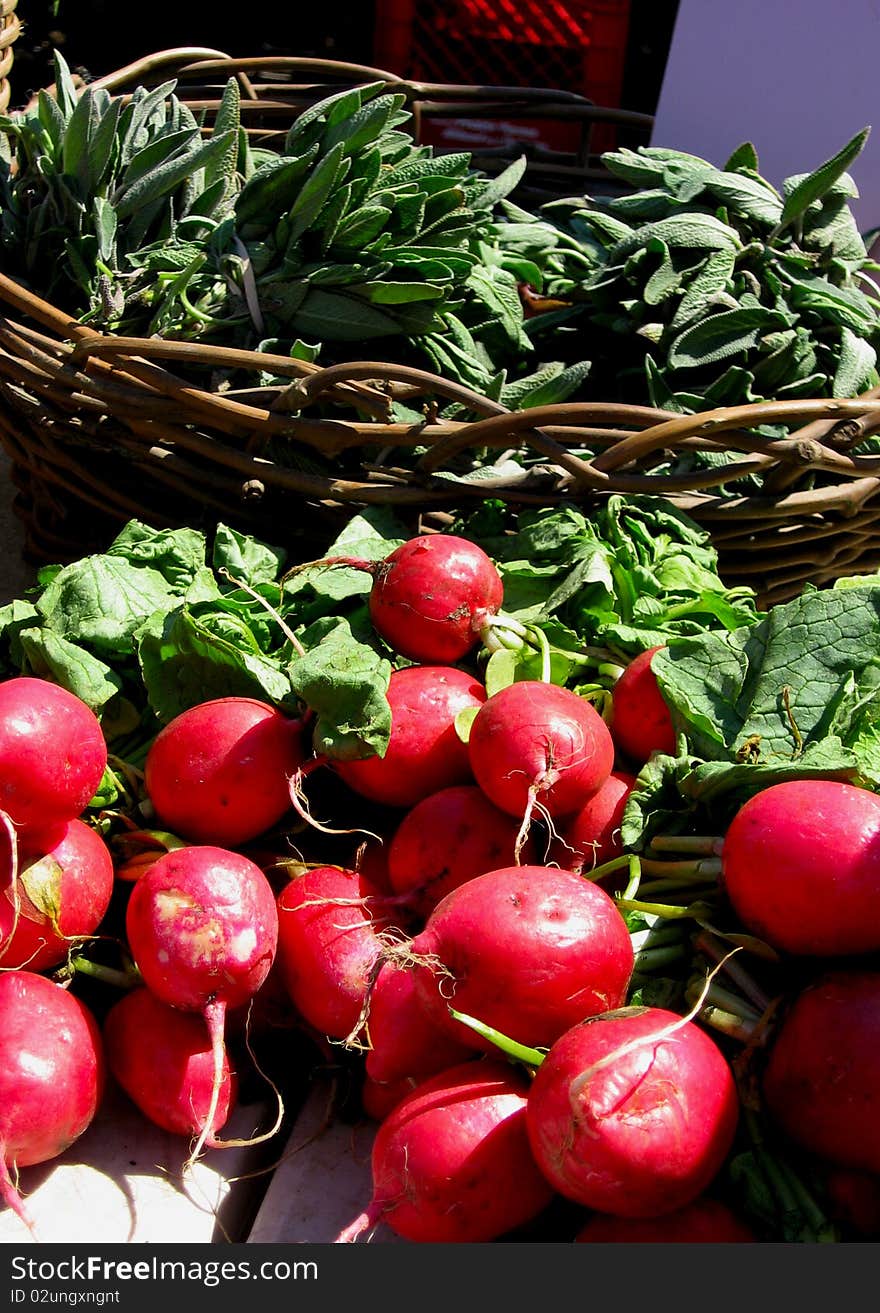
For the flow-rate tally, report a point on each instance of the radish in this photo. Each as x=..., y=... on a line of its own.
x=854, y=1201
x=447, y=838
x=592, y=835
x=328, y=946
x=632, y=1113
x=379, y=1098
x=526, y=950
x=219, y=772
x=821, y=1084
x=424, y=753
x=202, y=927
x=403, y=1040
x=163, y=1060
x=58, y=898
x=451, y=1162
x=704, y=1221
x=800, y=865
x=51, y=1075
x=52, y=757
x=537, y=744
x=433, y=598
x=641, y=722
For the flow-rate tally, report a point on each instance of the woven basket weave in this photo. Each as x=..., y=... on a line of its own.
x=101, y=428
x=10, y=27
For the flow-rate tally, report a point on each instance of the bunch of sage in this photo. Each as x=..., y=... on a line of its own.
x=132, y=215
x=709, y=287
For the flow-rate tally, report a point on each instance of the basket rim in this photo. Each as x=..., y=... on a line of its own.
x=89, y=358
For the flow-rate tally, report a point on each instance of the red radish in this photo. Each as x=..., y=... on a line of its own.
x=404, y=1042
x=424, y=753
x=371, y=859
x=704, y=1221
x=328, y=945
x=219, y=772
x=633, y=1113
x=447, y=838
x=533, y=743
x=202, y=927
x=59, y=897
x=51, y=1074
x=641, y=722
x=855, y=1201
x=451, y=1162
x=52, y=756
x=822, y=1080
x=526, y=950
x=800, y=864
x=433, y=597
x=592, y=835
x=163, y=1060
x=379, y=1098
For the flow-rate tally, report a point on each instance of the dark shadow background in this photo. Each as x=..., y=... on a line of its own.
x=98, y=36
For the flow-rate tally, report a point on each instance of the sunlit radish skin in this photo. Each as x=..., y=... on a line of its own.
x=444, y=840
x=328, y=939
x=592, y=835
x=404, y=1040
x=72, y=884
x=535, y=743
x=527, y=950
x=424, y=753
x=219, y=772
x=52, y=1074
x=202, y=926
x=52, y=757
x=162, y=1058
x=451, y=1161
x=433, y=596
x=633, y=1113
x=641, y=722
x=800, y=864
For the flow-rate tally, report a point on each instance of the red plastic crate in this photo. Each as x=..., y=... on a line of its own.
x=572, y=45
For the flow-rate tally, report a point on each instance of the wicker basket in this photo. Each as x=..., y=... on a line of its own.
x=101, y=428
x=10, y=26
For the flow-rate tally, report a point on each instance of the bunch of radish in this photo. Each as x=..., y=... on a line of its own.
x=466, y=964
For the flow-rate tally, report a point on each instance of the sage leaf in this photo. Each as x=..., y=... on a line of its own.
x=713, y=276
x=818, y=184
x=691, y=231
x=166, y=177
x=753, y=200
x=744, y=157
x=721, y=336
x=855, y=365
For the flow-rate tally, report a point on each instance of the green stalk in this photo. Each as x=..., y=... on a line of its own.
x=694, y=911
x=127, y=978
x=519, y=1052
x=650, y=960
x=707, y=943
x=684, y=870
x=709, y=845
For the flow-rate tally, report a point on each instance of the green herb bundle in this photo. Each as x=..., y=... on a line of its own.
x=709, y=287
x=133, y=216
